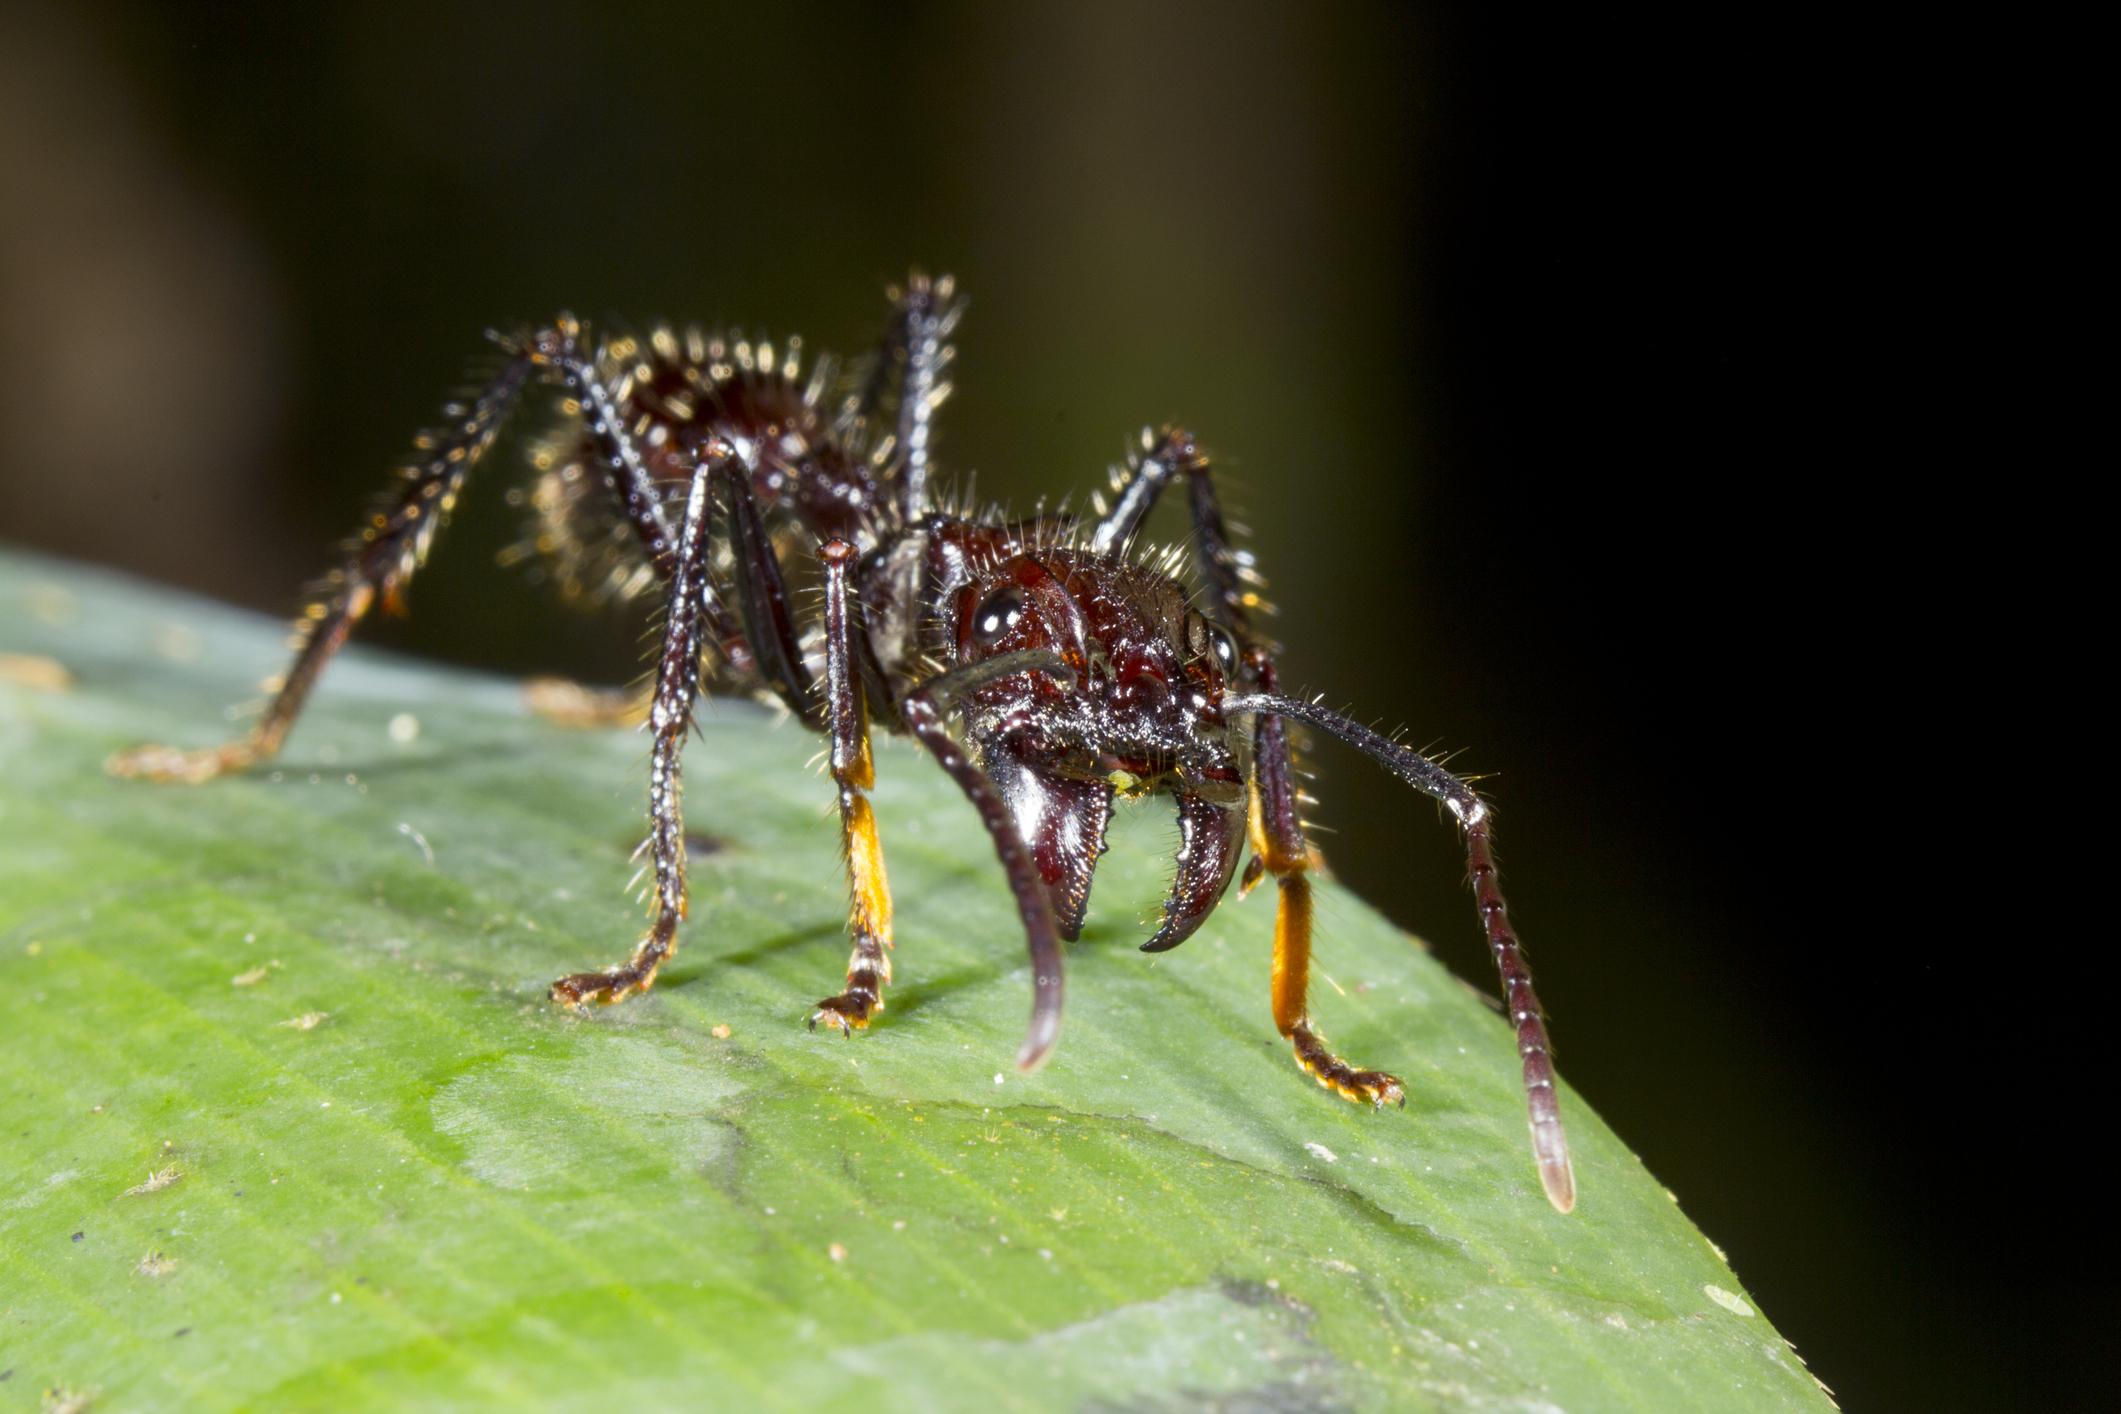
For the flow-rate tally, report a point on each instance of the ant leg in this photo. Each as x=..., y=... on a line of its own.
x=1278, y=844
x=911, y=356
x=1163, y=459
x=381, y=562
x=923, y=713
x=854, y=772
x=1549, y=1143
x=1276, y=827
x=625, y=470
x=611, y=445
x=670, y=718
x=618, y=454
x=1277, y=831
x=769, y=622
x=931, y=315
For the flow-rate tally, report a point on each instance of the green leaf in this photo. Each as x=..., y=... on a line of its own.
x=290, y=1123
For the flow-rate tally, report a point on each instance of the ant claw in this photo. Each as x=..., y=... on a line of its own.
x=829, y=1012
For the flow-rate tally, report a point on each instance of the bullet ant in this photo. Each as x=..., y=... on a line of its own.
x=1079, y=670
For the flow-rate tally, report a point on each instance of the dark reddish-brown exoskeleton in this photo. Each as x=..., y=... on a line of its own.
x=1077, y=670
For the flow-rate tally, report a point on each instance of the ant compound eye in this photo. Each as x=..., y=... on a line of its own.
x=996, y=615
x=1204, y=636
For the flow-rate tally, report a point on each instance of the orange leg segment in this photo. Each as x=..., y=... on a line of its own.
x=854, y=771
x=1280, y=844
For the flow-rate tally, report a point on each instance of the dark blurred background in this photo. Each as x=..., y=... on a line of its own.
x=1568, y=370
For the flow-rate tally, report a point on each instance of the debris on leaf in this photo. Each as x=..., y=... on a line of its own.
x=61, y=1400
x=1729, y=1301
x=156, y=1182
x=572, y=705
x=34, y=670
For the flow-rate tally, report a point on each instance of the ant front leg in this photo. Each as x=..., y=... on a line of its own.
x=1276, y=825
x=1550, y=1144
x=854, y=772
x=381, y=563
x=670, y=718
x=1278, y=844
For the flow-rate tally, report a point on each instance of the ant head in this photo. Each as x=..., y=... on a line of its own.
x=1150, y=671
x=1143, y=715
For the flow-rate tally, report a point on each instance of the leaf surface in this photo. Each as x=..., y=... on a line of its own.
x=291, y=1125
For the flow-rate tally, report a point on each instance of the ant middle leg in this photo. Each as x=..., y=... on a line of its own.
x=689, y=592
x=696, y=615
x=854, y=773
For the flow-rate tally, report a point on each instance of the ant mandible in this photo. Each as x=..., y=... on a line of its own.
x=1080, y=670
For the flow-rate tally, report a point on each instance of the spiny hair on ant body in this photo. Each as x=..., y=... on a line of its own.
x=1050, y=664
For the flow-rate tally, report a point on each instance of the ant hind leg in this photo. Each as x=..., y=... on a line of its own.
x=380, y=563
